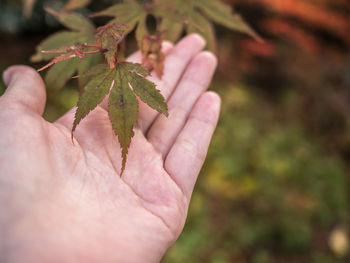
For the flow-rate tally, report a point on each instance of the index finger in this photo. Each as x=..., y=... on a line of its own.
x=175, y=64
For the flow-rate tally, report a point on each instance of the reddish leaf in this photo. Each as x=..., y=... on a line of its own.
x=77, y=50
x=108, y=37
x=123, y=104
x=152, y=55
x=82, y=32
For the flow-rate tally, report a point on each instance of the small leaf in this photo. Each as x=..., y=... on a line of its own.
x=108, y=37
x=83, y=33
x=205, y=29
x=123, y=109
x=94, y=92
x=141, y=31
x=152, y=55
x=196, y=16
x=65, y=53
x=173, y=29
x=222, y=14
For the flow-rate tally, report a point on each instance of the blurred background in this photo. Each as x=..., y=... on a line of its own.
x=275, y=187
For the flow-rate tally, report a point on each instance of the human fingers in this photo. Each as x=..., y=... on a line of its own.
x=194, y=82
x=189, y=151
x=175, y=64
x=68, y=118
x=176, y=61
x=25, y=87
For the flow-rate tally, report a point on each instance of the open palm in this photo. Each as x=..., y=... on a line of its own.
x=68, y=200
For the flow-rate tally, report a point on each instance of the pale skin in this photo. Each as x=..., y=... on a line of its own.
x=66, y=202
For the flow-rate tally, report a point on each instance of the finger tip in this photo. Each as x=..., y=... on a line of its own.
x=198, y=39
x=20, y=77
x=7, y=74
x=194, y=41
x=211, y=57
x=214, y=100
x=207, y=58
x=135, y=57
x=167, y=46
x=20, y=70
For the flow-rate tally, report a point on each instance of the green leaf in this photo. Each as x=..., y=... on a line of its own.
x=174, y=10
x=205, y=28
x=63, y=38
x=141, y=31
x=196, y=16
x=128, y=13
x=89, y=74
x=146, y=90
x=83, y=32
x=85, y=65
x=222, y=14
x=122, y=110
x=108, y=37
x=173, y=29
x=122, y=81
x=73, y=21
x=57, y=76
x=94, y=92
x=120, y=10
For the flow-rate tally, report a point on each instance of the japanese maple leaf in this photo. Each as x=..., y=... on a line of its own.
x=81, y=31
x=123, y=104
x=197, y=16
x=175, y=16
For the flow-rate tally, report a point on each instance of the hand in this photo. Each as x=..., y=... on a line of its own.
x=65, y=202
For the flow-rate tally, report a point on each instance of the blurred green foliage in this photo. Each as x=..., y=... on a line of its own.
x=268, y=192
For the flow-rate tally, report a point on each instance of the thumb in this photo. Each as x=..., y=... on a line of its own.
x=25, y=87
